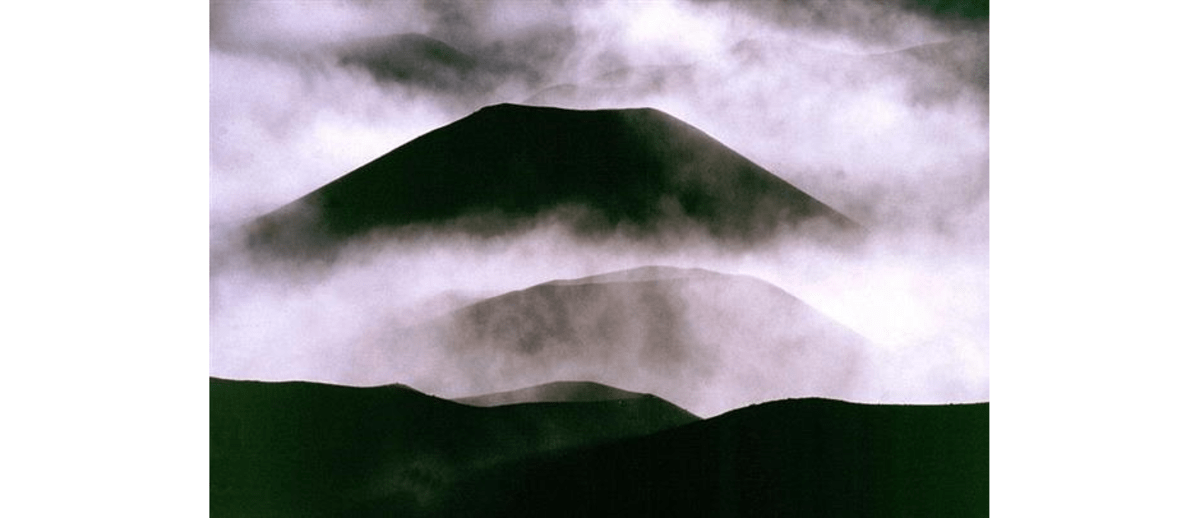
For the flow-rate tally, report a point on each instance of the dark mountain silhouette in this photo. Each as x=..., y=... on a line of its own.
x=807, y=457
x=308, y=449
x=705, y=340
x=556, y=392
x=636, y=172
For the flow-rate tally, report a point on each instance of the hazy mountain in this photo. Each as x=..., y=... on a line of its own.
x=807, y=457
x=307, y=449
x=644, y=273
x=951, y=69
x=625, y=81
x=966, y=58
x=708, y=341
x=556, y=392
x=636, y=172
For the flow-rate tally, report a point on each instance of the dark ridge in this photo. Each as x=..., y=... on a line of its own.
x=806, y=457
x=635, y=172
x=311, y=449
x=554, y=392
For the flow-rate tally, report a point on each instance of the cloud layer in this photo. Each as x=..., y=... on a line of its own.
x=879, y=111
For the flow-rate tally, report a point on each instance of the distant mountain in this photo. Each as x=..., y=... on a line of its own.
x=626, y=82
x=643, y=273
x=308, y=449
x=556, y=392
x=965, y=58
x=948, y=70
x=707, y=341
x=806, y=457
x=636, y=172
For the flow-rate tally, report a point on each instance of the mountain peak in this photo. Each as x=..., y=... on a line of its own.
x=640, y=173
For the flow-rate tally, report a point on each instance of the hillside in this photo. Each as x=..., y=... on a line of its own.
x=308, y=449
x=806, y=457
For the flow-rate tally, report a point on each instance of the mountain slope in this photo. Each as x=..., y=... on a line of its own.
x=308, y=449
x=708, y=341
x=635, y=172
x=806, y=457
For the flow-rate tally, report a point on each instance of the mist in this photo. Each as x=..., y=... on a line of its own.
x=879, y=111
x=922, y=307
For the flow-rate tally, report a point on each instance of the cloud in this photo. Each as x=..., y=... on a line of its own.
x=921, y=303
x=878, y=109
x=831, y=122
x=864, y=24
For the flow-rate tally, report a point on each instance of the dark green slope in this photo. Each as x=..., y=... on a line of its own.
x=308, y=449
x=808, y=457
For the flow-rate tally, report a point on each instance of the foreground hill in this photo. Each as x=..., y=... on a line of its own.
x=636, y=172
x=708, y=341
x=808, y=457
x=308, y=449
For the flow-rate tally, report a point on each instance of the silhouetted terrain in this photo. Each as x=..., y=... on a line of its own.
x=637, y=172
x=708, y=341
x=807, y=457
x=308, y=449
